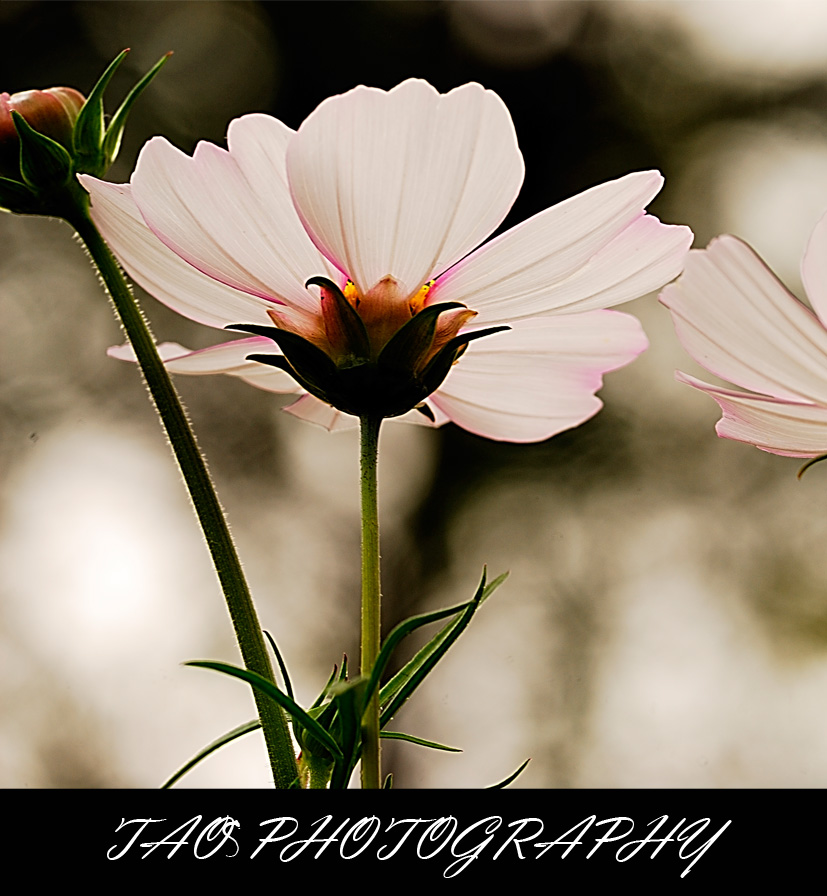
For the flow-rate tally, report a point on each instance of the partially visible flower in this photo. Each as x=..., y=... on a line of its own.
x=738, y=321
x=347, y=247
x=51, y=112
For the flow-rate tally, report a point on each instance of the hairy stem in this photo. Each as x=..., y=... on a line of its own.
x=371, y=596
x=199, y=484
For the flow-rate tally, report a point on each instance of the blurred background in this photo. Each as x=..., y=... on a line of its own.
x=665, y=620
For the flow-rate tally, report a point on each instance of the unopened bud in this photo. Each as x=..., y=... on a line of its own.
x=51, y=112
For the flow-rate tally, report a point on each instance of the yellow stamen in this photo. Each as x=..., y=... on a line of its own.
x=418, y=301
x=351, y=294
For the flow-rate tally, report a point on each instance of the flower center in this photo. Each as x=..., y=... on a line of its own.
x=416, y=303
x=379, y=354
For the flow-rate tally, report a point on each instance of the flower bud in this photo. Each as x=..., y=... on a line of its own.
x=50, y=112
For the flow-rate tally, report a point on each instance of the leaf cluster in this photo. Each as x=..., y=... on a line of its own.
x=329, y=732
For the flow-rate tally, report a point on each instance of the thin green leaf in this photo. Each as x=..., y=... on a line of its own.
x=246, y=728
x=112, y=139
x=403, y=676
x=401, y=631
x=347, y=724
x=388, y=783
x=483, y=592
x=509, y=779
x=408, y=679
x=398, y=735
x=288, y=686
x=267, y=687
x=326, y=689
x=87, y=136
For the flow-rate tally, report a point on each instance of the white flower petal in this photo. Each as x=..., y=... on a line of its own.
x=229, y=213
x=159, y=270
x=312, y=410
x=400, y=184
x=738, y=321
x=419, y=419
x=814, y=269
x=405, y=182
x=772, y=424
x=309, y=408
x=531, y=382
x=594, y=250
x=228, y=357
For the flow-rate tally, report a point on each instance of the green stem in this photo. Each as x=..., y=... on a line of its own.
x=371, y=596
x=315, y=773
x=213, y=523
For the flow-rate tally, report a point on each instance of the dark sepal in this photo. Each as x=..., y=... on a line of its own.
x=811, y=462
x=309, y=366
x=344, y=328
x=359, y=389
x=17, y=197
x=275, y=361
x=298, y=351
x=411, y=342
x=256, y=329
x=370, y=390
x=439, y=366
x=426, y=412
x=44, y=163
x=374, y=388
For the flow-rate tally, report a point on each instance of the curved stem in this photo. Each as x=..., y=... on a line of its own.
x=371, y=596
x=213, y=522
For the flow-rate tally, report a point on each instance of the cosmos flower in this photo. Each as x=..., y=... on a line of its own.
x=738, y=321
x=351, y=250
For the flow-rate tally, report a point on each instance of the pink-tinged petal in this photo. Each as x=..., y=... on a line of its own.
x=771, y=424
x=159, y=270
x=419, y=419
x=814, y=269
x=594, y=250
x=312, y=410
x=309, y=408
x=228, y=357
x=270, y=379
x=406, y=182
x=738, y=321
x=229, y=213
x=531, y=382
